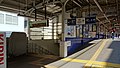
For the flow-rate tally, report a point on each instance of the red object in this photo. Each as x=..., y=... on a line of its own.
x=1, y=49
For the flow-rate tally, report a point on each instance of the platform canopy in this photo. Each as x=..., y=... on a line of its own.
x=105, y=10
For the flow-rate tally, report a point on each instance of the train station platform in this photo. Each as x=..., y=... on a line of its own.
x=104, y=53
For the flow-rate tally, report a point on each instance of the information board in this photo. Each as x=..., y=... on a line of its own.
x=90, y=20
x=80, y=21
x=41, y=23
x=71, y=22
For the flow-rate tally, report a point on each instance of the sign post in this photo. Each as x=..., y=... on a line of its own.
x=2, y=50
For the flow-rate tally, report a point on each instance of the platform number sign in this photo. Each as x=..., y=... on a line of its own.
x=71, y=22
x=2, y=50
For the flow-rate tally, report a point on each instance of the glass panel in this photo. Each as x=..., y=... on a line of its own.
x=55, y=30
x=11, y=19
x=1, y=18
x=36, y=29
x=48, y=33
x=50, y=23
x=55, y=27
x=59, y=31
x=36, y=33
x=8, y=19
x=15, y=20
x=36, y=37
x=55, y=24
x=55, y=33
x=55, y=37
x=59, y=27
x=60, y=24
x=47, y=37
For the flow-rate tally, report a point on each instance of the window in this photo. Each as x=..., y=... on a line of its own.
x=8, y=19
x=60, y=24
x=11, y=19
x=42, y=32
x=36, y=37
x=1, y=18
x=47, y=37
x=46, y=32
x=55, y=37
x=36, y=33
x=15, y=20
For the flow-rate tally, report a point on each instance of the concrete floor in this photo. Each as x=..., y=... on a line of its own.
x=108, y=57
x=86, y=56
x=31, y=61
x=110, y=54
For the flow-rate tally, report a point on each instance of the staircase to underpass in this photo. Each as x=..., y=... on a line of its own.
x=33, y=48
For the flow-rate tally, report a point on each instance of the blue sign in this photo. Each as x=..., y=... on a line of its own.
x=71, y=22
x=90, y=20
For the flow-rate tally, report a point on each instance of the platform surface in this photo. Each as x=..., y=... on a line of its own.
x=105, y=54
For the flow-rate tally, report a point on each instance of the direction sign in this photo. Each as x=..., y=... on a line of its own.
x=90, y=20
x=71, y=22
x=80, y=21
x=41, y=23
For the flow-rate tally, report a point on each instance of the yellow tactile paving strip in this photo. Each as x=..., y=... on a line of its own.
x=92, y=63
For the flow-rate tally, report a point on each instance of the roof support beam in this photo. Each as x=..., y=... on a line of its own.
x=97, y=17
x=33, y=8
x=17, y=3
x=9, y=8
x=1, y=1
x=101, y=10
x=102, y=23
x=17, y=10
x=40, y=5
x=77, y=3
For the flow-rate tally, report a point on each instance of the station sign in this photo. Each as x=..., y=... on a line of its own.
x=2, y=50
x=80, y=21
x=41, y=23
x=90, y=20
x=117, y=25
x=71, y=22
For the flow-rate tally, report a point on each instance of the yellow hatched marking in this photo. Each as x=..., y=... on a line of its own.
x=89, y=64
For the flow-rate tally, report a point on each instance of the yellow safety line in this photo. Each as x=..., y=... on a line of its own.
x=106, y=64
x=89, y=64
x=96, y=64
x=75, y=60
x=48, y=66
